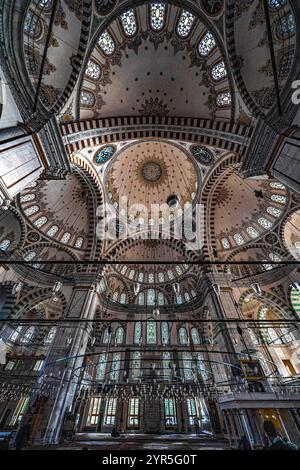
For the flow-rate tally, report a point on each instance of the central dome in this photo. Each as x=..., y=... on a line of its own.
x=147, y=173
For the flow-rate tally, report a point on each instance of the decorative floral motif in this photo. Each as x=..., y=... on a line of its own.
x=154, y=107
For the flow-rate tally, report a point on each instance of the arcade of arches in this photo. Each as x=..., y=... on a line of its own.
x=177, y=321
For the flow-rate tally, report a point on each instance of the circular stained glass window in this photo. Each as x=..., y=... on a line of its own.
x=202, y=155
x=33, y=237
x=105, y=6
x=104, y=154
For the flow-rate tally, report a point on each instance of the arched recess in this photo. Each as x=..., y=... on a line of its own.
x=12, y=228
x=32, y=298
x=290, y=232
x=272, y=301
x=15, y=22
x=249, y=17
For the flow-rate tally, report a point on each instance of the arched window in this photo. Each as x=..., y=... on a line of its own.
x=207, y=44
x=115, y=367
x=120, y=335
x=52, y=231
x=115, y=296
x=178, y=270
x=141, y=298
x=16, y=333
x=276, y=185
x=141, y=277
x=170, y=274
x=101, y=368
x=185, y=24
x=218, y=71
x=286, y=26
x=28, y=335
x=150, y=277
x=50, y=336
x=274, y=211
x=195, y=336
x=129, y=24
x=106, y=335
x=41, y=221
x=151, y=331
x=225, y=243
x=201, y=366
x=79, y=242
x=264, y=364
x=157, y=16
x=295, y=300
x=186, y=296
x=131, y=274
x=274, y=257
x=183, y=337
x=161, y=277
x=5, y=244
x=187, y=366
x=287, y=337
x=136, y=365
x=93, y=70
x=150, y=297
x=276, y=3
x=161, y=298
x=273, y=336
x=179, y=299
x=223, y=99
x=87, y=99
x=166, y=358
x=253, y=337
x=165, y=338
x=27, y=198
x=123, y=298
x=279, y=199
x=29, y=256
x=238, y=239
x=31, y=210
x=252, y=232
x=65, y=238
x=137, y=332
x=264, y=223
x=106, y=43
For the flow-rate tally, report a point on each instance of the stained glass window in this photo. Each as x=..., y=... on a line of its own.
x=202, y=154
x=192, y=410
x=195, y=336
x=27, y=197
x=297, y=246
x=28, y=335
x=151, y=332
x=123, y=298
x=115, y=367
x=106, y=43
x=150, y=297
x=273, y=211
x=157, y=16
x=52, y=231
x=141, y=298
x=115, y=296
x=93, y=70
x=31, y=23
x=93, y=415
x=170, y=274
x=279, y=199
x=274, y=257
x=225, y=243
x=110, y=413
x=252, y=232
x=106, y=336
x=50, y=336
x=207, y=44
x=185, y=24
x=141, y=277
x=161, y=298
x=5, y=244
x=79, y=242
x=238, y=239
x=170, y=412
x=161, y=277
x=44, y=3
x=120, y=335
x=87, y=98
x=134, y=412
x=30, y=256
x=183, y=337
x=178, y=270
x=150, y=277
x=253, y=337
x=102, y=156
x=179, y=299
x=276, y=185
x=137, y=332
x=201, y=366
x=136, y=365
x=264, y=223
x=186, y=296
x=165, y=333
x=295, y=300
x=218, y=71
x=286, y=26
x=101, y=368
x=187, y=366
x=32, y=185
x=276, y=3
x=65, y=238
x=16, y=333
x=223, y=99
x=166, y=358
x=31, y=210
x=129, y=23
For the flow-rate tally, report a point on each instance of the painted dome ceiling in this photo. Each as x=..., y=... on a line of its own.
x=58, y=209
x=148, y=173
x=121, y=79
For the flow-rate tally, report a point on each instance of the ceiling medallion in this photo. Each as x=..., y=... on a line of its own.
x=104, y=7
x=104, y=154
x=33, y=237
x=202, y=155
x=151, y=171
